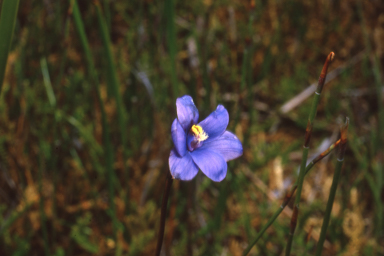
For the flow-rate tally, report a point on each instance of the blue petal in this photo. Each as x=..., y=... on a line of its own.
x=179, y=138
x=187, y=112
x=182, y=168
x=211, y=163
x=228, y=145
x=216, y=123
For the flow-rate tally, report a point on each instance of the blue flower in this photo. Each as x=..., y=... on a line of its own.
x=205, y=145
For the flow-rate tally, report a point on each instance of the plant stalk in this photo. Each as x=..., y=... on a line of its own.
x=332, y=193
x=164, y=203
x=308, y=133
x=288, y=197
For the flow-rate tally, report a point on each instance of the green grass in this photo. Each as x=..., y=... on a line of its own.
x=7, y=24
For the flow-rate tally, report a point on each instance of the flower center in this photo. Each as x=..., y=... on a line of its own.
x=195, y=137
x=199, y=133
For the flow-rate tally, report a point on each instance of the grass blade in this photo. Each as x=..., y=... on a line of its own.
x=114, y=86
x=108, y=151
x=332, y=193
x=7, y=25
x=47, y=82
x=376, y=72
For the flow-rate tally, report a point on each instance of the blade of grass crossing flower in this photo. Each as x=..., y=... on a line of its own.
x=332, y=192
x=7, y=24
x=288, y=197
x=108, y=150
x=308, y=133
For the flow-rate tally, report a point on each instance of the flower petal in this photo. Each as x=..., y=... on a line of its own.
x=182, y=168
x=187, y=112
x=211, y=163
x=179, y=138
x=216, y=123
x=228, y=145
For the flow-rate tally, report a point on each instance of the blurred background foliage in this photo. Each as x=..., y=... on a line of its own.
x=89, y=97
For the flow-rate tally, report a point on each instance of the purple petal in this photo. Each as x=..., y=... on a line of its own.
x=182, y=168
x=179, y=138
x=211, y=163
x=216, y=123
x=187, y=112
x=228, y=145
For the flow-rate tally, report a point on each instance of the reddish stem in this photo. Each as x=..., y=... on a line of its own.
x=168, y=184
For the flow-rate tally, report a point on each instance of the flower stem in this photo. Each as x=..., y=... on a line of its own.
x=332, y=193
x=160, y=236
x=308, y=133
x=288, y=197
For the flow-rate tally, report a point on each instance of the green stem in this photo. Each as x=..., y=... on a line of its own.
x=288, y=198
x=308, y=134
x=297, y=201
x=328, y=210
x=332, y=193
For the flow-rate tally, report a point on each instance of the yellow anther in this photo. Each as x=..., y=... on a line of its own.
x=196, y=129
x=199, y=133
